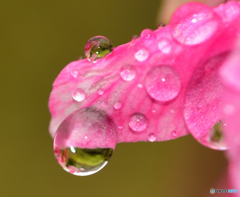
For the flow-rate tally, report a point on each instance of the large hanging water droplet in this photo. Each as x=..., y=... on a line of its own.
x=84, y=141
x=128, y=73
x=147, y=34
x=138, y=122
x=97, y=47
x=78, y=94
x=214, y=138
x=196, y=28
x=163, y=83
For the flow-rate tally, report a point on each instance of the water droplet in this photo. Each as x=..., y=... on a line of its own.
x=164, y=46
x=196, y=28
x=152, y=137
x=80, y=58
x=171, y=111
x=100, y=92
x=214, y=138
x=147, y=34
x=153, y=111
x=174, y=133
x=85, y=141
x=128, y=73
x=163, y=83
x=83, y=162
x=117, y=105
x=141, y=55
x=78, y=94
x=140, y=85
x=97, y=47
x=160, y=25
x=120, y=127
x=134, y=37
x=138, y=122
x=74, y=73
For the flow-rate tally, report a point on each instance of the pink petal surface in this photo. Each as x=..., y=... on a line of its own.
x=150, y=76
x=230, y=75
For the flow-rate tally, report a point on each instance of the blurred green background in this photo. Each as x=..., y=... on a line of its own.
x=37, y=39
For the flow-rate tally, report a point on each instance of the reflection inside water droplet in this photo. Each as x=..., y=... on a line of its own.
x=138, y=122
x=82, y=162
x=78, y=94
x=97, y=47
x=214, y=138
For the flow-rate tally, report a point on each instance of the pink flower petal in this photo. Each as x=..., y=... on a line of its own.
x=162, y=64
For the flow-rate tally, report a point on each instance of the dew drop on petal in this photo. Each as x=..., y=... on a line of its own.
x=100, y=92
x=146, y=34
x=160, y=25
x=78, y=94
x=117, y=105
x=84, y=141
x=74, y=73
x=174, y=133
x=164, y=46
x=196, y=28
x=138, y=122
x=97, y=47
x=134, y=37
x=140, y=85
x=214, y=139
x=141, y=55
x=128, y=73
x=152, y=137
x=163, y=83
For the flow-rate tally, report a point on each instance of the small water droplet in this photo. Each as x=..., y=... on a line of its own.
x=74, y=73
x=140, y=85
x=138, y=122
x=160, y=25
x=97, y=47
x=80, y=58
x=117, y=105
x=174, y=133
x=128, y=73
x=171, y=111
x=134, y=37
x=84, y=141
x=100, y=92
x=78, y=94
x=164, y=46
x=153, y=111
x=214, y=138
x=152, y=137
x=163, y=90
x=141, y=55
x=120, y=127
x=146, y=34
